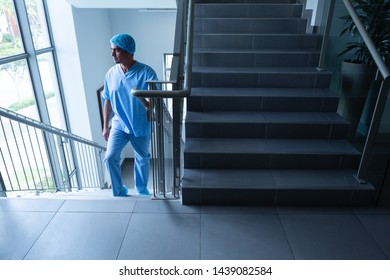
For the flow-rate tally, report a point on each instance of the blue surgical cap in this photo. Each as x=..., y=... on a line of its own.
x=125, y=42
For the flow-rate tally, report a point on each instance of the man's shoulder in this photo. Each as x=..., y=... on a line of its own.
x=112, y=69
x=144, y=66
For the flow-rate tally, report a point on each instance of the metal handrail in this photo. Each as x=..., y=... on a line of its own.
x=382, y=96
x=186, y=91
x=384, y=70
x=31, y=122
x=164, y=146
x=53, y=157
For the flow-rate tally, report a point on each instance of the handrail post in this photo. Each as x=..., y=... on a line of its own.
x=2, y=187
x=100, y=170
x=160, y=156
x=325, y=41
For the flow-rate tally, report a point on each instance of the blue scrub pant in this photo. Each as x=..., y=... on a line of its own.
x=116, y=142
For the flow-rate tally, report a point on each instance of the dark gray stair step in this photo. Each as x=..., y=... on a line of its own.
x=262, y=100
x=250, y=25
x=262, y=77
x=274, y=187
x=238, y=10
x=268, y=125
x=257, y=41
x=247, y=1
x=269, y=153
x=254, y=58
x=269, y=146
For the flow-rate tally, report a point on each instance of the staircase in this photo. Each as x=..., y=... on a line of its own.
x=261, y=126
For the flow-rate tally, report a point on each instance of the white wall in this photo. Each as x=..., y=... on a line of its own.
x=93, y=33
x=65, y=41
x=317, y=10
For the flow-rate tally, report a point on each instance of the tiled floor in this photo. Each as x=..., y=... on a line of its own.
x=140, y=228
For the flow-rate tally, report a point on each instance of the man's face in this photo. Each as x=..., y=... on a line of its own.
x=118, y=54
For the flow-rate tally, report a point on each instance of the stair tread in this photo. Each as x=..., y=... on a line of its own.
x=252, y=18
x=247, y=4
x=272, y=178
x=269, y=146
x=265, y=117
x=256, y=51
x=264, y=92
x=260, y=70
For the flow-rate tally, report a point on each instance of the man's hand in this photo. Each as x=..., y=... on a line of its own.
x=107, y=112
x=106, y=133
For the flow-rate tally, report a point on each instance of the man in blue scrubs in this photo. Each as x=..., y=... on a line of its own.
x=129, y=117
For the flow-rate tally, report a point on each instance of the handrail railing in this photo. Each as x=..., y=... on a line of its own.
x=382, y=96
x=384, y=72
x=186, y=90
x=34, y=123
x=166, y=123
x=38, y=157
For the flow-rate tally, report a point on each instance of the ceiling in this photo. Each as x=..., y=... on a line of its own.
x=128, y=4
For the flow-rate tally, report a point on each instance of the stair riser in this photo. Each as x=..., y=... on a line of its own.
x=262, y=104
x=245, y=41
x=261, y=80
x=275, y=197
x=267, y=131
x=248, y=11
x=270, y=161
x=256, y=60
x=250, y=26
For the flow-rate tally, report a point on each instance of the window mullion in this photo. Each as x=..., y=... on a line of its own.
x=32, y=60
x=13, y=58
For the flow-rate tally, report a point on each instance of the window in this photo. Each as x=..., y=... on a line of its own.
x=27, y=63
x=28, y=86
x=37, y=22
x=10, y=37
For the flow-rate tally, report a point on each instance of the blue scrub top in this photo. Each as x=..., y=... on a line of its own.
x=129, y=114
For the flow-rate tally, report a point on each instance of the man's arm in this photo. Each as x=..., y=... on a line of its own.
x=107, y=113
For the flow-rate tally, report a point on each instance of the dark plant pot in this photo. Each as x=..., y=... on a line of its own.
x=356, y=80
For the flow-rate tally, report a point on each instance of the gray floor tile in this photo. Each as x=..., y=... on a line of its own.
x=372, y=211
x=314, y=210
x=162, y=237
x=238, y=236
x=31, y=205
x=81, y=236
x=19, y=231
x=102, y=206
x=335, y=237
x=379, y=228
x=237, y=210
x=164, y=206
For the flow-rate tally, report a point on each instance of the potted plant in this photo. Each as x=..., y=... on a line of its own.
x=358, y=71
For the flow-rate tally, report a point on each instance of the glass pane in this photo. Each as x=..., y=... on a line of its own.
x=50, y=88
x=38, y=24
x=16, y=92
x=10, y=37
